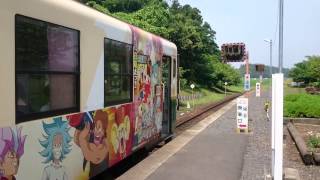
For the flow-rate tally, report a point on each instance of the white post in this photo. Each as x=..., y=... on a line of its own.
x=225, y=88
x=272, y=123
x=192, y=86
x=277, y=108
x=270, y=58
x=192, y=99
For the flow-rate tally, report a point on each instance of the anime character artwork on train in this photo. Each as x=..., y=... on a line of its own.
x=90, y=136
x=120, y=132
x=11, y=150
x=88, y=90
x=147, y=88
x=56, y=144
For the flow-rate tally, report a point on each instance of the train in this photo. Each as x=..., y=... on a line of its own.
x=80, y=90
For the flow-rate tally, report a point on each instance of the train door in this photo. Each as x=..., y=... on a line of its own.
x=166, y=85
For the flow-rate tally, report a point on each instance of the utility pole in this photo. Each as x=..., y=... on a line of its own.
x=270, y=45
x=277, y=105
x=281, y=35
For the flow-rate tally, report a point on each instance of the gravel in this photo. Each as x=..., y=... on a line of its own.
x=292, y=159
x=257, y=159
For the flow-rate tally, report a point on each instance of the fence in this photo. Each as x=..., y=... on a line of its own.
x=188, y=98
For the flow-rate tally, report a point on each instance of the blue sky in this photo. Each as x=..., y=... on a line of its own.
x=252, y=21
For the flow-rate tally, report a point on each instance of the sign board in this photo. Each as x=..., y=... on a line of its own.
x=192, y=86
x=258, y=89
x=242, y=113
x=247, y=82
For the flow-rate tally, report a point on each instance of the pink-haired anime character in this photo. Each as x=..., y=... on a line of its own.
x=11, y=149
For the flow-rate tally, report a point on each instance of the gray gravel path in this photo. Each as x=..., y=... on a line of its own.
x=220, y=153
x=292, y=159
x=216, y=153
x=257, y=159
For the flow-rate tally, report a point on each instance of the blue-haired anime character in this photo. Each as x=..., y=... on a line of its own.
x=56, y=146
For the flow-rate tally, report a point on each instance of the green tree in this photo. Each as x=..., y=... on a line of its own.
x=195, y=39
x=152, y=18
x=97, y=6
x=307, y=71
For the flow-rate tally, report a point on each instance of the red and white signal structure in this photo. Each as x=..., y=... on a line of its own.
x=236, y=52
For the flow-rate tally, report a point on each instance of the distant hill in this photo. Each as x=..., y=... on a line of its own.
x=254, y=74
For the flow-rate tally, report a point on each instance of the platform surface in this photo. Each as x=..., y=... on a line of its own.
x=212, y=149
x=215, y=153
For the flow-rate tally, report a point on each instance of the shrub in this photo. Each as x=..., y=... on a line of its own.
x=302, y=105
x=314, y=142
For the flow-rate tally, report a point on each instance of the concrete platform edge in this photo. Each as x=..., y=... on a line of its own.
x=150, y=164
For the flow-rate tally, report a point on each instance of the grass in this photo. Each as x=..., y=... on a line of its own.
x=265, y=85
x=292, y=90
x=297, y=103
x=302, y=105
x=313, y=142
x=216, y=94
x=208, y=95
x=236, y=88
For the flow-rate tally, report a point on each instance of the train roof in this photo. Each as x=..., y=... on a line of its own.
x=116, y=23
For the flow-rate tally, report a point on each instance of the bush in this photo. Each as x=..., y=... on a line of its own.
x=302, y=105
x=314, y=142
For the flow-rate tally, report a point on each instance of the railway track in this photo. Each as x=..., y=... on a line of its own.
x=192, y=118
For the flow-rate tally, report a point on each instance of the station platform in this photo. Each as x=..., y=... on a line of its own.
x=211, y=149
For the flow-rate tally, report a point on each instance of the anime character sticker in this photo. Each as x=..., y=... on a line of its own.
x=120, y=132
x=56, y=146
x=11, y=150
x=90, y=135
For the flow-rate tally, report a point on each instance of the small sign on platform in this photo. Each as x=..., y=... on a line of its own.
x=261, y=78
x=242, y=114
x=247, y=82
x=258, y=89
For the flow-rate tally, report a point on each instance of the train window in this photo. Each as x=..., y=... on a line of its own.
x=47, y=69
x=117, y=72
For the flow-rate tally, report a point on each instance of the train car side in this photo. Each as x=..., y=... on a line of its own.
x=80, y=90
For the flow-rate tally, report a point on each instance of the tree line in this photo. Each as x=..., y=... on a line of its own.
x=307, y=71
x=265, y=73
x=199, y=53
